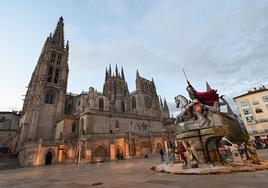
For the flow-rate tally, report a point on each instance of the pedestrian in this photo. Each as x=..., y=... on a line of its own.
x=241, y=150
x=223, y=153
x=170, y=156
x=253, y=153
x=118, y=154
x=162, y=154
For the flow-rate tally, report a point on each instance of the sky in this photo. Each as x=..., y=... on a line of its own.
x=222, y=42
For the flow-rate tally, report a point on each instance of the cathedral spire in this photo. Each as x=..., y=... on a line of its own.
x=67, y=46
x=165, y=102
x=153, y=82
x=110, y=70
x=137, y=74
x=58, y=35
x=116, y=70
x=106, y=74
x=122, y=73
x=161, y=102
x=165, y=106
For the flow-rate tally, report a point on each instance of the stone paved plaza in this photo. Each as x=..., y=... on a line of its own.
x=127, y=173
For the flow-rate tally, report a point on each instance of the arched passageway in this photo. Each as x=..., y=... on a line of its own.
x=49, y=157
x=99, y=154
x=212, y=149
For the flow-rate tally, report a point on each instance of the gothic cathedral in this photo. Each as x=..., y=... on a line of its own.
x=60, y=127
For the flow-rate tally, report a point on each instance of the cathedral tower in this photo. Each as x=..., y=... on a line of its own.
x=147, y=98
x=45, y=97
x=116, y=89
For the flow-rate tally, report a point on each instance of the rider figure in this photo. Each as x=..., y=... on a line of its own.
x=191, y=92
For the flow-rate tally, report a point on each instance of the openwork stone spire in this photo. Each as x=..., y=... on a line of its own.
x=58, y=35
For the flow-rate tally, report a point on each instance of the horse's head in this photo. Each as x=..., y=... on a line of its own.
x=180, y=101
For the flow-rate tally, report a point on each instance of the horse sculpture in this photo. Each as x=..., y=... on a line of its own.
x=189, y=109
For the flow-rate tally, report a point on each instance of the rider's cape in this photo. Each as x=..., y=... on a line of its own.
x=207, y=98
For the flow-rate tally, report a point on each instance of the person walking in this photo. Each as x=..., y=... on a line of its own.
x=162, y=154
x=223, y=153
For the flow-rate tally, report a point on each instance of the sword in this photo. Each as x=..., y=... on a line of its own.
x=185, y=76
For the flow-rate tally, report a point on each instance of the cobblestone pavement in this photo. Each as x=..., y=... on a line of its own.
x=127, y=173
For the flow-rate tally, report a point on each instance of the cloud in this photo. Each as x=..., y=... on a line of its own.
x=222, y=42
x=225, y=46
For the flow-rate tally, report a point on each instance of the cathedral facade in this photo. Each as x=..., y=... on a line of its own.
x=56, y=126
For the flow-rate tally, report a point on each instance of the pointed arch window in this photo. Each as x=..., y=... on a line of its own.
x=59, y=59
x=82, y=126
x=117, y=124
x=133, y=101
x=101, y=104
x=50, y=74
x=56, y=76
x=50, y=97
x=123, y=106
x=73, y=127
x=53, y=57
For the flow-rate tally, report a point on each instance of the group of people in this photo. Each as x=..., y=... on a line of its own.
x=246, y=150
x=182, y=153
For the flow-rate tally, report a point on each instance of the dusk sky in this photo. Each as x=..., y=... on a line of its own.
x=222, y=42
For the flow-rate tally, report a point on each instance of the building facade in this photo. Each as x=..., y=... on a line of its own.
x=8, y=127
x=253, y=107
x=93, y=126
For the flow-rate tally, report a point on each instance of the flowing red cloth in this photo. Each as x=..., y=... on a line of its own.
x=207, y=98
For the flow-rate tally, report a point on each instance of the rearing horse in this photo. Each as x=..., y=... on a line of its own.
x=186, y=110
